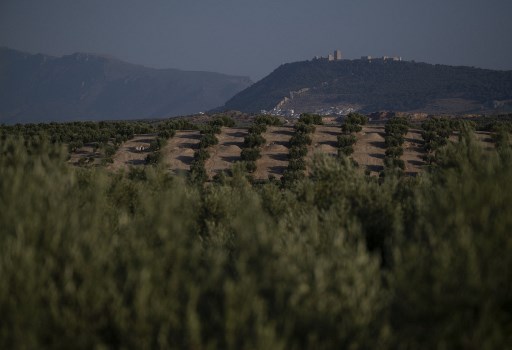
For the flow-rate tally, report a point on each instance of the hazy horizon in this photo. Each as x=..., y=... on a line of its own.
x=253, y=38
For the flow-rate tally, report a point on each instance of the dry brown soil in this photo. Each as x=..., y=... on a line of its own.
x=274, y=154
x=178, y=154
x=226, y=152
x=127, y=156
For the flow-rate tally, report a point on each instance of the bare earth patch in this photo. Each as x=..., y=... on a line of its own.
x=325, y=140
x=369, y=150
x=226, y=152
x=87, y=151
x=127, y=155
x=413, y=151
x=178, y=154
x=274, y=154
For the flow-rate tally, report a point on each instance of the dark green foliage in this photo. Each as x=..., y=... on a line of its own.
x=334, y=261
x=397, y=126
x=351, y=128
x=201, y=155
x=250, y=166
x=352, y=124
x=208, y=140
x=310, y=119
x=211, y=129
x=356, y=119
x=393, y=140
x=302, y=127
x=109, y=150
x=392, y=161
x=197, y=174
x=300, y=139
x=297, y=151
x=157, y=144
x=436, y=132
x=253, y=141
x=223, y=120
x=394, y=152
x=345, y=151
x=166, y=134
x=250, y=154
x=176, y=124
x=297, y=164
x=346, y=140
x=268, y=120
x=75, y=145
x=153, y=158
x=79, y=132
x=257, y=129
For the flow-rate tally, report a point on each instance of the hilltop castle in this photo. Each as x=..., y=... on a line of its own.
x=337, y=56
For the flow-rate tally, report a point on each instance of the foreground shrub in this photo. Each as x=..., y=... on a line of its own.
x=338, y=261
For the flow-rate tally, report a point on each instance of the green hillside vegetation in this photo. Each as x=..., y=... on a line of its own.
x=142, y=259
x=375, y=85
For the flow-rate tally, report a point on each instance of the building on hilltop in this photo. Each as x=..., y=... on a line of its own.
x=383, y=58
x=336, y=56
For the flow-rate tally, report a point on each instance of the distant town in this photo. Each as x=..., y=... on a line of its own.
x=338, y=56
x=326, y=111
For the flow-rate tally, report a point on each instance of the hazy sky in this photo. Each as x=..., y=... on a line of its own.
x=254, y=37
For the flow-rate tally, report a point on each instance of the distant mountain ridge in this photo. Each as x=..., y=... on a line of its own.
x=42, y=88
x=377, y=85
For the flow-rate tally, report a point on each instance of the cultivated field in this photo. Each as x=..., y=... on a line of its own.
x=178, y=154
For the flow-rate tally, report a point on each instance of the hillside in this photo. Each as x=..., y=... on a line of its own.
x=377, y=85
x=40, y=88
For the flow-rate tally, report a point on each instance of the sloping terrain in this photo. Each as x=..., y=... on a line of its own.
x=377, y=85
x=41, y=88
x=226, y=152
x=178, y=154
x=127, y=155
x=274, y=153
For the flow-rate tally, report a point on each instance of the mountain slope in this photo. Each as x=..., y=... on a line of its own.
x=374, y=85
x=81, y=86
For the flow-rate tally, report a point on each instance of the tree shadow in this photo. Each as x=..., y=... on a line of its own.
x=144, y=140
x=233, y=143
x=278, y=156
x=185, y=159
x=277, y=169
x=136, y=162
x=194, y=136
x=416, y=141
x=416, y=162
x=188, y=145
x=332, y=133
x=284, y=132
x=329, y=143
x=236, y=134
x=377, y=155
x=378, y=144
x=281, y=143
x=376, y=168
x=230, y=159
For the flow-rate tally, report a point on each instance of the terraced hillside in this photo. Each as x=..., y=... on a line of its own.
x=178, y=154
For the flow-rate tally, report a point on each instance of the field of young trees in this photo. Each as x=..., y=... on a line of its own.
x=327, y=257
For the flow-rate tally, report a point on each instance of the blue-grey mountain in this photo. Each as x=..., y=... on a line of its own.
x=40, y=88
